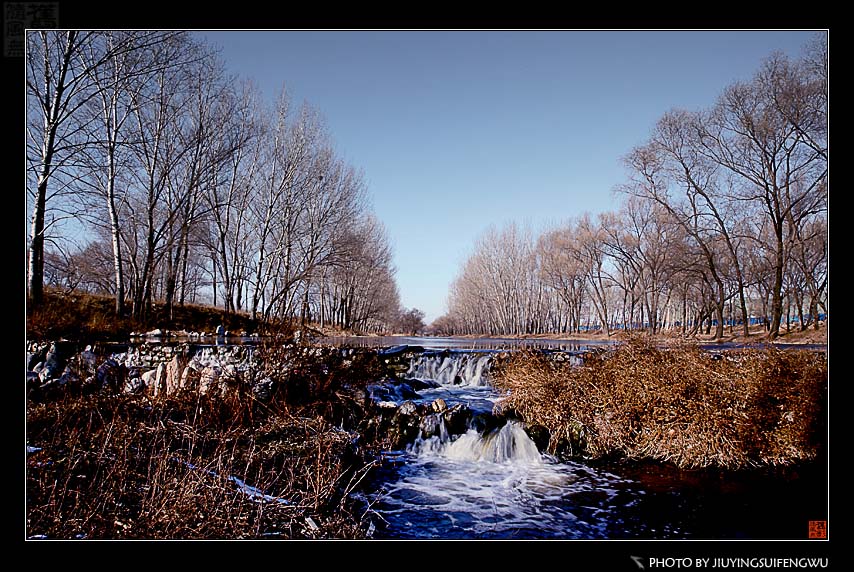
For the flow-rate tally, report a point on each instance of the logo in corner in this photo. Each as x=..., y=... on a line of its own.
x=818, y=529
x=639, y=561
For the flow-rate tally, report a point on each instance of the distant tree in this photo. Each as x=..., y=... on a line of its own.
x=411, y=322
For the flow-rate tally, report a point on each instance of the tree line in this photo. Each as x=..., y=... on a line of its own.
x=723, y=222
x=154, y=174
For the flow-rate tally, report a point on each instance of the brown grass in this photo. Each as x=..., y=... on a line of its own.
x=129, y=466
x=91, y=317
x=679, y=404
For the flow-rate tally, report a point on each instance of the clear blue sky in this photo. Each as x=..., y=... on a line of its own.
x=458, y=130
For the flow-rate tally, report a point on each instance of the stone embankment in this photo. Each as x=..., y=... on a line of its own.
x=391, y=406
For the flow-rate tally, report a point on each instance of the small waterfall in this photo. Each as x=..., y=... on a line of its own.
x=475, y=474
x=434, y=437
x=509, y=444
x=469, y=369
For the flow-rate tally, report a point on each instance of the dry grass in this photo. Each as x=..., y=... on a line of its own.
x=129, y=466
x=91, y=317
x=679, y=404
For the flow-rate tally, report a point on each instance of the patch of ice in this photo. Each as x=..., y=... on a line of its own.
x=250, y=491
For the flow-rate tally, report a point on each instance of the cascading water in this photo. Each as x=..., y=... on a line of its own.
x=487, y=479
x=486, y=484
x=452, y=368
x=509, y=444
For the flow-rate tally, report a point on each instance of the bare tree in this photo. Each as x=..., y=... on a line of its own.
x=769, y=133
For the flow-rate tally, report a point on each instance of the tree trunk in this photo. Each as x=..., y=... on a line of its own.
x=777, y=292
x=117, y=248
x=35, y=283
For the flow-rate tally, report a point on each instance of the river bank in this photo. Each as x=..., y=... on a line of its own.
x=270, y=438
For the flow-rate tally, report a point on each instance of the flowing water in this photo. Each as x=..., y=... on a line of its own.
x=497, y=485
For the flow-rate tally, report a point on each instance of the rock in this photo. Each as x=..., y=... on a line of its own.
x=149, y=378
x=230, y=373
x=393, y=351
x=88, y=360
x=134, y=384
x=159, y=386
x=408, y=408
x=419, y=384
x=174, y=372
x=405, y=424
x=484, y=423
x=54, y=364
x=38, y=354
x=539, y=435
x=69, y=377
x=457, y=418
x=263, y=389
x=209, y=380
x=190, y=378
x=110, y=375
x=392, y=390
x=439, y=405
x=432, y=425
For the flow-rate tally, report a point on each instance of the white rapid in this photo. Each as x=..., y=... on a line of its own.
x=491, y=485
x=454, y=368
x=509, y=444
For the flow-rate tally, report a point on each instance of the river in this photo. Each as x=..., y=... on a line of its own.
x=499, y=486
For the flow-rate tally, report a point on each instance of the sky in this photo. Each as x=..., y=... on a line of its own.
x=457, y=131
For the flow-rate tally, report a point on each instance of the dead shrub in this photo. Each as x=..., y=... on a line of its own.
x=677, y=404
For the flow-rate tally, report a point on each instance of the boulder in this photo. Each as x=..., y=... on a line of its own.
x=392, y=390
x=69, y=377
x=457, y=418
x=149, y=378
x=174, y=371
x=419, y=384
x=110, y=375
x=190, y=378
x=484, y=422
x=159, y=386
x=88, y=360
x=408, y=408
x=263, y=389
x=439, y=405
x=134, y=383
x=54, y=364
x=230, y=374
x=405, y=424
x=431, y=426
x=37, y=354
x=209, y=380
x=539, y=435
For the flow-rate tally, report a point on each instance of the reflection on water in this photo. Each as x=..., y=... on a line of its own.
x=463, y=343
